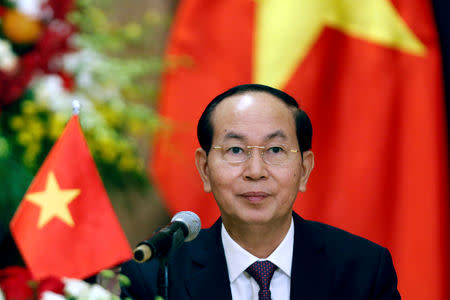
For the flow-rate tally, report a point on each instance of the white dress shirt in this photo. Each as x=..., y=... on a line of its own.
x=243, y=286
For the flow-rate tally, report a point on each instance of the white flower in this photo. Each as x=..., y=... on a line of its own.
x=50, y=93
x=30, y=7
x=49, y=295
x=2, y=296
x=96, y=292
x=8, y=60
x=89, y=68
x=84, y=80
x=84, y=60
x=75, y=287
x=83, y=64
x=82, y=290
x=49, y=90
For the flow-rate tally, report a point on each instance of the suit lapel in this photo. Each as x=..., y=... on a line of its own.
x=209, y=279
x=310, y=272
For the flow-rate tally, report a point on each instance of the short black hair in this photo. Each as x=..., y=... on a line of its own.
x=302, y=122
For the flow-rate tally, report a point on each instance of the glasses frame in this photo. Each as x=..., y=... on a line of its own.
x=261, y=153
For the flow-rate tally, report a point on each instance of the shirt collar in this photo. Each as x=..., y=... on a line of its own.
x=238, y=259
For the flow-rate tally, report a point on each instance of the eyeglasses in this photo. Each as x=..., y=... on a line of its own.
x=272, y=154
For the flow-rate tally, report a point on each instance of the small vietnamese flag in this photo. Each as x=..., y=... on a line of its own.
x=65, y=224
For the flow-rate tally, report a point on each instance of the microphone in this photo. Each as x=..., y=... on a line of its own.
x=183, y=227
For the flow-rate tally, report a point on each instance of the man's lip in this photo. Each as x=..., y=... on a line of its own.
x=255, y=194
x=255, y=197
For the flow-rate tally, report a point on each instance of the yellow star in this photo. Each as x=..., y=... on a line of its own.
x=53, y=202
x=286, y=30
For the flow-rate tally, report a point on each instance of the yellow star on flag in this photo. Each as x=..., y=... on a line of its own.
x=53, y=202
x=286, y=30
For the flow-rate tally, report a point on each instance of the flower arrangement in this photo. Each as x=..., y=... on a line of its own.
x=16, y=283
x=54, y=51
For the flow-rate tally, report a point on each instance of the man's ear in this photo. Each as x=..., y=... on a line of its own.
x=307, y=166
x=201, y=161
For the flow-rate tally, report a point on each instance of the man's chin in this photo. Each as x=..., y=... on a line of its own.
x=258, y=218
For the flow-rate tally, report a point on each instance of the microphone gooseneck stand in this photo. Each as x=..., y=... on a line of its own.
x=163, y=279
x=163, y=270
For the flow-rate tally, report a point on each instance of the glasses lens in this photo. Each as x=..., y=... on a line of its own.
x=234, y=153
x=276, y=154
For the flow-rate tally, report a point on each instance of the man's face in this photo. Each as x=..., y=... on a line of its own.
x=254, y=192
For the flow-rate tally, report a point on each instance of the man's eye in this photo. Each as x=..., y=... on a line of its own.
x=276, y=149
x=235, y=150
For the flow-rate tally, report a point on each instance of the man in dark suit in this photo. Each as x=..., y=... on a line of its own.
x=255, y=157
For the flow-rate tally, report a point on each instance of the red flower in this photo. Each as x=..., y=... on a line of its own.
x=60, y=8
x=17, y=284
x=68, y=81
x=12, y=86
x=14, y=282
x=53, y=43
x=52, y=284
x=2, y=10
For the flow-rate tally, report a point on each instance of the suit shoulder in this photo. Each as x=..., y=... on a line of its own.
x=343, y=242
x=359, y=268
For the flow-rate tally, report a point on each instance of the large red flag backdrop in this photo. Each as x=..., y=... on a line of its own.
x=65, y=225
x=368, y=73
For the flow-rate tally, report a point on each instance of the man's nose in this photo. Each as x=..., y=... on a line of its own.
x=255, y=167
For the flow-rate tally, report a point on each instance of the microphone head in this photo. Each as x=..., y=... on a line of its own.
x=192, y=222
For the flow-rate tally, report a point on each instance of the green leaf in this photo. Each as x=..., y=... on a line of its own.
x=108, y=274
x=124, y=280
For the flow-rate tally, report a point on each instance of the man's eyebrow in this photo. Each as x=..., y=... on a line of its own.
x=233, y=135
x=275, y=134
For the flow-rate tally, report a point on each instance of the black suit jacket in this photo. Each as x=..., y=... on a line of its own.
x=328, y=263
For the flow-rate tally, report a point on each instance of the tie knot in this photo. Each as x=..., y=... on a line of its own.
x=262, y=272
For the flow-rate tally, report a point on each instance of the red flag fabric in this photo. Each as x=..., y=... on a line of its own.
x=65, y=224
x=369, y=75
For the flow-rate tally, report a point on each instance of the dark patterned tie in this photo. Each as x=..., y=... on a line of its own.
x=262, y=272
